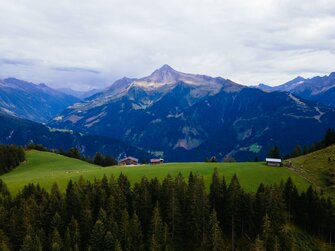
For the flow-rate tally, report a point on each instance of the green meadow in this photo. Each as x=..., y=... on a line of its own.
x=315, y=166
x=45, y=168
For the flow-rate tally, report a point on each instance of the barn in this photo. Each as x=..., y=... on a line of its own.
x=128, y=161
x=156, y=161
x=273, y=162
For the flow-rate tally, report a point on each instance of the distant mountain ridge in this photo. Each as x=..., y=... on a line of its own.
x=188, y=117
x=79, y=94
x=319, y=89
x=35, y=102
x=19, y=131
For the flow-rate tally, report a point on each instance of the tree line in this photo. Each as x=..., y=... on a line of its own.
x=175, y=214
x=98, y=159
x=327, y=140
x=10, y=157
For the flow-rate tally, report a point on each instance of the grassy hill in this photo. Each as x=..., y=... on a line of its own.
x=46, y=168
x=315, y=167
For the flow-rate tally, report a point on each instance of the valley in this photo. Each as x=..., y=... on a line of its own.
x=167, y=125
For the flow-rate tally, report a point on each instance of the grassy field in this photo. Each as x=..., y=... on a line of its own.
x=46, y=168
x=313, y=166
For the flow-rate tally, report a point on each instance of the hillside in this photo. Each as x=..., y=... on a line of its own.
x=46, y=168
x=27, y=100
x=19, y=131
x=318, y=167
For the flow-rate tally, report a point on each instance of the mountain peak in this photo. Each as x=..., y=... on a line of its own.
x=42, y=85
x=164, y=74
x=166, y=67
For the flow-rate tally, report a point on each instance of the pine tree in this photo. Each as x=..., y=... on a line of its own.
x=56, y=223
x=97, y=240
x=286, y=239
x=73, y=153
x=297, y=151
x=4, y=246
x=215, y=239
x=274, y=152
x=233, y=201
x=143, y=203
x=117, y=246
x=4, y=241
x=97, y=160
x=329, y=138
x=216, y=193
x=213, y=159
x=126, y=193
x=157, y=231
x=135, y=234
x=109, y=241
x=67, y=239
x=74, y=233
x=124, y=230
x=85, y=227
x=28, y=244
x=258, y=245
x=37, y=244
x=56, y=241
x=267, y=233
x=196, y=213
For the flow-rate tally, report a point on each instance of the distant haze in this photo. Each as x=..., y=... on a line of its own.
x=89, y=44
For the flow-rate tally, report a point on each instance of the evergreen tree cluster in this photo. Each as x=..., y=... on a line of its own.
x=328, y=140
x=10, y=157
x=102, y=160
x=175, y=214
x=38, y=147
x=99, y=159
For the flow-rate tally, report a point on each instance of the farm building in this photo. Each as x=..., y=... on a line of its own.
x=273, y=162
x=156, y=161
x=128, y=161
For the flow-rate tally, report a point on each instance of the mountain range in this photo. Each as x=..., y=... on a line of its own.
x=39, y=102
x=319, y=89
x=188, y=117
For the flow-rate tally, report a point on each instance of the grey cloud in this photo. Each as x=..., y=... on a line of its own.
x=75, y=69
x=92, y=43
x=16, y=62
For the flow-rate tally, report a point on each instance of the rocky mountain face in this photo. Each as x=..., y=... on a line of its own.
x=19, y=131
x=319, y=89
x=188, y=117
x=35, y=102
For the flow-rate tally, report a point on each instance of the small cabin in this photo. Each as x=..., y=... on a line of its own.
x=156, y=161
x=273, y=162
x=128, y=161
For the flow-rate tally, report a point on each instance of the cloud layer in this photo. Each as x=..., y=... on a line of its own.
x=84, y=43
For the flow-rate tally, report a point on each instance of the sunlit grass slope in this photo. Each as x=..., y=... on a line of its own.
x=314, y=166
x=46, y=168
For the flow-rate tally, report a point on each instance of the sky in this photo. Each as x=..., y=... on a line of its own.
x=84, y=44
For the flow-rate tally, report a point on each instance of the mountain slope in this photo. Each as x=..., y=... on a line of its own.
x=188, y=117
x=319, y=89
x=319, y=168
x=35, y=102
x=21, y=132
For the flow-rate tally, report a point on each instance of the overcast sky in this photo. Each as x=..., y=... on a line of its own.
x=90, y=43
